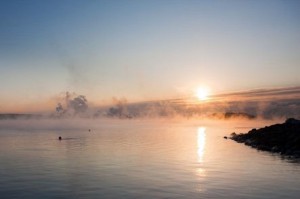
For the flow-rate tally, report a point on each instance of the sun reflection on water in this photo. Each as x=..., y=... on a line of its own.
x=201, y=143
x=200, y=170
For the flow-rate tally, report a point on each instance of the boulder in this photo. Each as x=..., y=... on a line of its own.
x=278, y=138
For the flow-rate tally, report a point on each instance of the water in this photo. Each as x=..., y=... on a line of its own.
x=139, y=159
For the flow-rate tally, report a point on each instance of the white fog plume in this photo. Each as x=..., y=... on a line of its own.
x=74, y=105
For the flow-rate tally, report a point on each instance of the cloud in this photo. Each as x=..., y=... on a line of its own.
x=261, y=94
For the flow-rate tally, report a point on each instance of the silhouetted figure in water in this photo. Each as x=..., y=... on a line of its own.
x=59, y=138
x=89, y=130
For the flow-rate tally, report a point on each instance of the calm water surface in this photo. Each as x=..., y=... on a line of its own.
x=140, y=159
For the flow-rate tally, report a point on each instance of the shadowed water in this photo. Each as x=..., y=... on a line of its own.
x=141, y=159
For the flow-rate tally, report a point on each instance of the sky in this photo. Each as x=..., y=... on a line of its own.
x=143, y=50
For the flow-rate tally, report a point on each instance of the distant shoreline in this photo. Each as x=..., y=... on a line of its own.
x=13, y=116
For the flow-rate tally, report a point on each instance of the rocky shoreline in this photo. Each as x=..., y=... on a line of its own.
x=278, y=138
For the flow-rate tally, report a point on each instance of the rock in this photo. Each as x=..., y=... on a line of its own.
x=292, y=121
x=248, y=142
x=280, y=138
x=275, y=149
x=233, y=134
x=225, y=137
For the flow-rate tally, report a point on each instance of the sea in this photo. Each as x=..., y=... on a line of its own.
x=131, y=158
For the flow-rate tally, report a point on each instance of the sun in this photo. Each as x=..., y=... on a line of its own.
x=202, y=93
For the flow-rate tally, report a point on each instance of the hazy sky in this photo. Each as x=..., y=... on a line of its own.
x=144, y=49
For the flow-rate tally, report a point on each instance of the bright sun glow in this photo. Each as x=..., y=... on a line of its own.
x=202, y=93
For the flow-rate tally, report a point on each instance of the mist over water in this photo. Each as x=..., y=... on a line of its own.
x=157, y=149
x=263, y=103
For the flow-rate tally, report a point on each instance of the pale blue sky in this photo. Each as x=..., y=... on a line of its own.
x=145, y=49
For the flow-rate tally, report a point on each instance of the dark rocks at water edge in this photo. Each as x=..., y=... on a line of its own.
x=278, y=138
